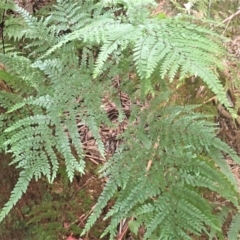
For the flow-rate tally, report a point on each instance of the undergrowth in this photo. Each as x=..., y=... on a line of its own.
x=169, y=156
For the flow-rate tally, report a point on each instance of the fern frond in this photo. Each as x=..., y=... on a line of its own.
x=234, y=228
x=95, y=131
x=106, y=195
x=174, y=181
x=20, y=188
x=69, y=17
x=171, y=44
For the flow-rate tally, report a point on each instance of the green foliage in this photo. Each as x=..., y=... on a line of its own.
x=210, y=9
x=46, y=218
x=234, y=228
x=169, y=156
x=184, y=155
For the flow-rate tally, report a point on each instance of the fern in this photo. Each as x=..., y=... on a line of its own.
x=19, y=189
x=169, y=157
x=169, y=44
x=171, y=189
x=234, y=228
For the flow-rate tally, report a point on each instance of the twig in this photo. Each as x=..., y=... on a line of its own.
x=123, y=233
x=231, y=17
x=97, y=158
x=211, y=99
x=228, y=19
x=91, y=159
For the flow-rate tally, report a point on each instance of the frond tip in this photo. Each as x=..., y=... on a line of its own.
x=19, y=189
x=234, y=229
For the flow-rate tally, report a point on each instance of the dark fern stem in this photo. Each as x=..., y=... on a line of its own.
x=2, y=29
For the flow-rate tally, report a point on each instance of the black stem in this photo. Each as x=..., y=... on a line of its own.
x=2, y=27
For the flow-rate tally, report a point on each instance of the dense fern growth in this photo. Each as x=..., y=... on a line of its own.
x=169, y=155
x=161, y=171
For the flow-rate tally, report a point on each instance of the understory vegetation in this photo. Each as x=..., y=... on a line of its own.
x=94, y=116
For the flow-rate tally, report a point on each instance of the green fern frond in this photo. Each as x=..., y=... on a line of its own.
x=234, y=228
x=172, y=52
x=95, y=131
x=14, y=29
x=106, y=195
x=38, y=119
x=19, y=189
x=69, y=16
x=154, y=195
